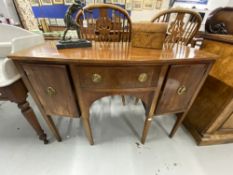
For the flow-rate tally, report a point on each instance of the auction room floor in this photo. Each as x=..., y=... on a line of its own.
x=117, y=150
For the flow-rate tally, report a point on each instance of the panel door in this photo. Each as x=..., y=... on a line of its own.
x=181, y=83
x=52, y=86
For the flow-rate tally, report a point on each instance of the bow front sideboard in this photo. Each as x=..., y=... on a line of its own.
x=67, y=82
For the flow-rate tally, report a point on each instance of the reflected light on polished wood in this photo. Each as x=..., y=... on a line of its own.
x=113, y=68
x=113, y=52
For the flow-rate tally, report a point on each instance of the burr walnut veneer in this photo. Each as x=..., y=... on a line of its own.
x=67, y=82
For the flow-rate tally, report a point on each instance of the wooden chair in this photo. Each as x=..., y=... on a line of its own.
x=183, y=24
x=105, y=23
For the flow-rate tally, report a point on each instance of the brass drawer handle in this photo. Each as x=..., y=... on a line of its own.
x=96, y=78
x=142, y=77
x=0, y=94
x=51, y=91
x=181, y=90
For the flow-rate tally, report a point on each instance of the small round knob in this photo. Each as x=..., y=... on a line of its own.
x=142, y=77
x=51, y=91
x=181, y=90
x=96, y=78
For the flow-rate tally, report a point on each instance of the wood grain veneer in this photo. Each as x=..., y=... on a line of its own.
x=111, y=69
x=210, y=117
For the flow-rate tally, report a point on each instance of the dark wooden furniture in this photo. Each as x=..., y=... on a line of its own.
x=17, y=93
x=210, y=119
x=220, y=21
x=61, y=81
x=183, y=24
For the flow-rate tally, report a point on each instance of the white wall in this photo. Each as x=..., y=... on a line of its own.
x=146, y=15
x=212, y=4
x=208, y=8
x=230, y=3
x=8, y=10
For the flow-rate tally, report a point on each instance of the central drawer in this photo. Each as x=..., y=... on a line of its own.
x=117, y=77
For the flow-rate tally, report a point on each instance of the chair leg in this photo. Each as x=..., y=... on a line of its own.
x=147, y=125
x=136, y=101
x=177, y=124
x=123, y=100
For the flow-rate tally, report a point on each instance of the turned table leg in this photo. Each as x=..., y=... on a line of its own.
x=17, y=93
x=29, y=115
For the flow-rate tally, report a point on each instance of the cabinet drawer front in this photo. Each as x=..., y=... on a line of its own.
x=182, y=82
x=52, y=86
x=118, y=77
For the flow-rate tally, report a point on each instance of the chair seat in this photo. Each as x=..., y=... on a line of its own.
x=8, y=72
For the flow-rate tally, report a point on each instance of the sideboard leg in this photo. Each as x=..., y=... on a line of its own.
x=179, y=120
x=136, y=101
x=123, y=99
x=29, y=115
x=147, y=125
x=87, y=126
x=52, y=127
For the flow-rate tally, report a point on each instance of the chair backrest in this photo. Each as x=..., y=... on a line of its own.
x=183, y=24
x=104, y=22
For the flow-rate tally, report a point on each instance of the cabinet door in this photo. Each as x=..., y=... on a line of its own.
x=52, y=86
x=181, y=83
x=229, y=123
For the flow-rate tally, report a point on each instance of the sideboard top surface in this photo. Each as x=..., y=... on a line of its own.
x=111, y=53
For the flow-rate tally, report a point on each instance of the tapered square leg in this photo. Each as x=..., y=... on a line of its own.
x=146, y=128
x=123, y=100
x=136, y=101
x=88, y=130
x=52, y=127
x=177, y=124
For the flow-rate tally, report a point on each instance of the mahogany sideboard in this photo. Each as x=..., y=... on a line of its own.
x=210, y=119
x=66, y=82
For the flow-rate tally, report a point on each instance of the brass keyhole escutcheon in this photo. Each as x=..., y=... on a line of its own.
x=51, y=91
x=181, y=90
x=142, y=77
x=96, y=78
